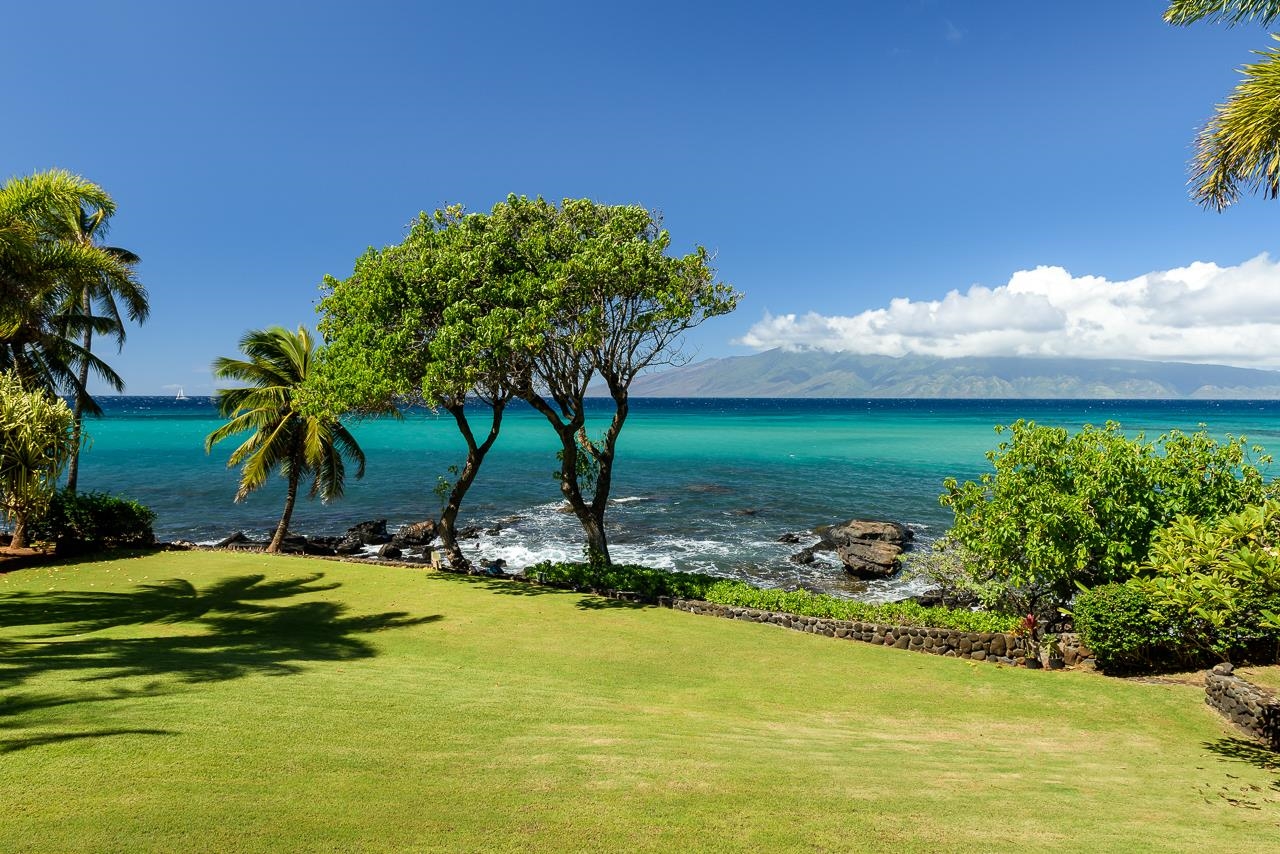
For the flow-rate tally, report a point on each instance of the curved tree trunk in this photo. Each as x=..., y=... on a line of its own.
x=73, y=469
x=475, y=457
x=283, y=528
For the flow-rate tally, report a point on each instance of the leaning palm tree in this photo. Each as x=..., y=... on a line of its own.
x=106, y=291
x=299, y=445
x=1239, y=148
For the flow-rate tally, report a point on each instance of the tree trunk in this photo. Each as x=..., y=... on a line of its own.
x=449, y=516
x=73, y=470
x=475, y=457
x=19, y=540
x=283, y=528
x=597, y=543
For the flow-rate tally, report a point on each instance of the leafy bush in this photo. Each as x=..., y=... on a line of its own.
x=36, y=441
x=1219, y=581
x=808, y=604
x=94, y=520
x=1061, y=510
x=644, y=580
x=1117, y=622
x=687, y=585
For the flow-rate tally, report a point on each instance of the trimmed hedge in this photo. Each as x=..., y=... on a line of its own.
x=644, y=580
x=1118, y=622
x=653, y=583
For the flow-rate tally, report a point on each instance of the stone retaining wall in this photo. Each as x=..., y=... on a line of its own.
x=1246, y=705
x=977, y=646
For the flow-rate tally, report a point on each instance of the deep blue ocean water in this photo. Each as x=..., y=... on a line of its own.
x=700, y=484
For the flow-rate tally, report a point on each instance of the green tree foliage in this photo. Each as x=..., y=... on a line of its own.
x=532, y=299
x=46, y=268
x=1240, y=146
x=612, y=303
x=35, y=443
x=1218, y=580
x=1061, y=510
x=284, y=437
x=431, y=321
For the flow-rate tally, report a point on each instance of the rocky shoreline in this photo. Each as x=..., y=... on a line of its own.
x=866, y=549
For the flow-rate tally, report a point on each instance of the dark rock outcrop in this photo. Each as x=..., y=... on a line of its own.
x=418, y=534
x=868, y=549
x=235, y=539
x=373, y=533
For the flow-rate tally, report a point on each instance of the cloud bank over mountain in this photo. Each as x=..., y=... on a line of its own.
x=1198, y=313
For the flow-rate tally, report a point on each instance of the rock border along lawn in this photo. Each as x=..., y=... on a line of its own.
x=1252, y=709
x=995, y=647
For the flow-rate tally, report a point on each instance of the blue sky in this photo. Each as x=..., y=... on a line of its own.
x=836, y=157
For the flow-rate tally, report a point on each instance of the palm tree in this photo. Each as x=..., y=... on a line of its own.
x=107, y=291
x=300, y=445
x=44, y=268
x=1239, y=148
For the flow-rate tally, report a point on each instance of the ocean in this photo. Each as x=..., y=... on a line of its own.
x=700, y=484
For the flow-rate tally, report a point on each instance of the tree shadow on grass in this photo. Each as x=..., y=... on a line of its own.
x=510, y=587
x=238, y=626
x=1239, y=793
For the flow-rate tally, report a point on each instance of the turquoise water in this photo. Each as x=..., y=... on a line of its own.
x=700, y=485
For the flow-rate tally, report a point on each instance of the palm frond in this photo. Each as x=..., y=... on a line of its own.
x=1230, y=12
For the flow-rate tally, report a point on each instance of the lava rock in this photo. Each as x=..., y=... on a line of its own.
x=373, y=533
x=235, y=539
x=418, y=534
x=867, y=548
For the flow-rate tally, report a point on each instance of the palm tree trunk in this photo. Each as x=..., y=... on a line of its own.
x=277, y=540
x=73, y=470
x=19, y=540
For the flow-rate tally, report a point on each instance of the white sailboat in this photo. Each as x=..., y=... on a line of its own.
x=180, y=396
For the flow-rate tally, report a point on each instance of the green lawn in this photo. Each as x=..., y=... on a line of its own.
x=1264, y=677
x=224, y=702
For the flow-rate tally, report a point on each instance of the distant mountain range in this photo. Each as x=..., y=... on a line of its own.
x=813, y=373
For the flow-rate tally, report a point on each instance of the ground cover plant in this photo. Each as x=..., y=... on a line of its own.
x=246, y=702
x=652, y=583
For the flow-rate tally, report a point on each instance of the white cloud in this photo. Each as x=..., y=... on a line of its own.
x=1198, y=313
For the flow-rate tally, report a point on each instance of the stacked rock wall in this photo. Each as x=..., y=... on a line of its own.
x=977, y=646
x=1246, y=705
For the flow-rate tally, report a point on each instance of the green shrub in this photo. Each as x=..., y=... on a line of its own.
x=1060, y=510
x=1117, y=622
x=688, y=585
x=644, y=580
x=806, y=604
x=1219, y=581
x=94, y=520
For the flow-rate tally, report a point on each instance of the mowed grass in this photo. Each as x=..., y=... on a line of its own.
x=224, y=702
x=1264, y=677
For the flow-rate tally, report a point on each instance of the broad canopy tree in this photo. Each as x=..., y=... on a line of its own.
x=422, y=323
x=533, y=300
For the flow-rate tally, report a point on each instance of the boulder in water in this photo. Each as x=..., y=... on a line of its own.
x=868, y=548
